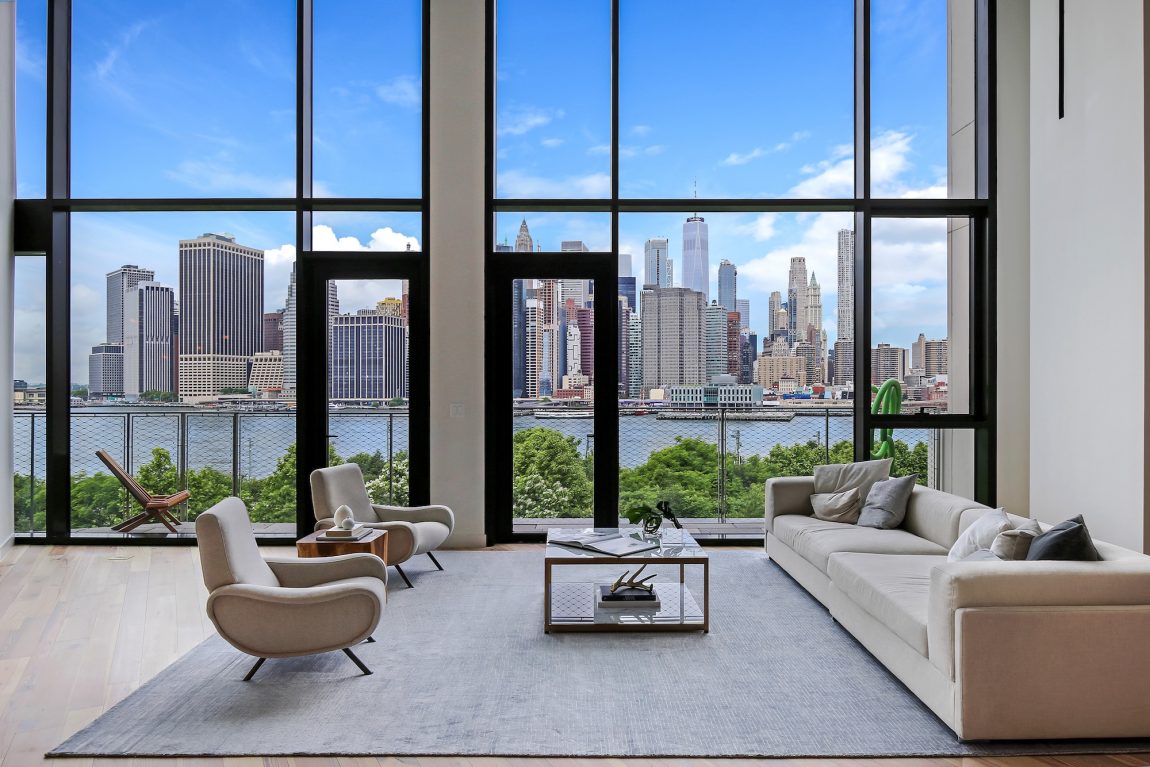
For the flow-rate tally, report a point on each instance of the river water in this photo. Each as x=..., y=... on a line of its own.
x=259, y=439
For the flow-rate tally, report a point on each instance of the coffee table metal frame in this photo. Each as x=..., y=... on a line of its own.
x=691, y=554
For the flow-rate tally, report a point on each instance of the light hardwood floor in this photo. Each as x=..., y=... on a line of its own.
x=83, y=626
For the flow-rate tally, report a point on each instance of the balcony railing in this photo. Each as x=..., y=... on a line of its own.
x=710, y=463
x=211, y=454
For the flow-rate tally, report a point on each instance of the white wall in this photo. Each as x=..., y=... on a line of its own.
x=7, y=195
x=1013, y=328
x=1087, y=275
x=457, y=262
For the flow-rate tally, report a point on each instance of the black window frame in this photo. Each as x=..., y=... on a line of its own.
x=44, y=226
x=981, y=210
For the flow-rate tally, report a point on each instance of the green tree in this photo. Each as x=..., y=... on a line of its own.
x=80, y=391
x=28, y=502
x=390, y=485
x=685, y=474
x=276, y=500
x=371, y=464
x=159, y=476
x=98, y=500
x=155, y=395
x=206, y=487
x=562, y=487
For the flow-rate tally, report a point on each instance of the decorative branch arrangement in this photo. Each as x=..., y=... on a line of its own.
x=634, y=582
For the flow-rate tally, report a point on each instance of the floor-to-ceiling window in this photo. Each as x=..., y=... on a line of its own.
x=178, y=163
x=730, y=241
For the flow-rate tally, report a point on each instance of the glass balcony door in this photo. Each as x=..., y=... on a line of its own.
x=361, y=377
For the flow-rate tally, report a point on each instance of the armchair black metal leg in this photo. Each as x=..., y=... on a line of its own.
x=366, y=671
x=403, y=575
x=369, y=640
x=255, y=668
x=436, y=561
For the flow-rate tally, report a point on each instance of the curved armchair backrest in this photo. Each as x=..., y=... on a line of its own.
x=337, y=486
x=228, y=552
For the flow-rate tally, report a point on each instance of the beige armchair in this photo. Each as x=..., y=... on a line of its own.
x=283, y=608
x=411, y=530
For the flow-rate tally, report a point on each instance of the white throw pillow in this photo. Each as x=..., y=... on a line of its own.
x=980, y=535
x=837, y=507
x=1014, y=544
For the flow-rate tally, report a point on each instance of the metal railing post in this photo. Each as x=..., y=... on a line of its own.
x=32, y=479
x=235, y=454
x=722, y=465
x=827, y=431
x=182, y=451
x=390, y=457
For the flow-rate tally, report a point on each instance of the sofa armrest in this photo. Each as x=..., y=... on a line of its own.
x=958, y=585
x=788, y=495
x=317, y=571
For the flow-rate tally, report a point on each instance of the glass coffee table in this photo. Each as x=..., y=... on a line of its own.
x=571, y=605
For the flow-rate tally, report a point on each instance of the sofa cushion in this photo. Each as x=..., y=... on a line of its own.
x=935, y=515
x=894, y=590
x=815, y=540
x=1014, y=544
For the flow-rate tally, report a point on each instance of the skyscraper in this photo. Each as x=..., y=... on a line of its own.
x=846, y=287
x=715, y=324
x=579, y=291
x=844, y=362
x=673, y=337
x=774, y=305
x=368, y=358
x=148, y=339
x=120, y=282
x=221, y=314
x=625, y=265
x=656, y=263
x=887, y=362
x=935, y=355
x=273, y=331
x=728, y=286
x=523, y=241
x=734, y=345
x=814, y=335
x=918, y=353
x=696, y=257
x=797, y=299
x=634, y=355
x=627, y=291
x=289, y=339
x=106, y=370
x=743, y=307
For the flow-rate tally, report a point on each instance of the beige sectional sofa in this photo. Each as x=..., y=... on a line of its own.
x=998, y=650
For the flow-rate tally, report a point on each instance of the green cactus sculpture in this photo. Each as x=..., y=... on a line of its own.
x=887, y=401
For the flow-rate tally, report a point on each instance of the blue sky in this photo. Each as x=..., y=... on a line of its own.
x=189, y=98
x=732, y=99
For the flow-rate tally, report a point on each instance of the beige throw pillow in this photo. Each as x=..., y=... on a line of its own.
x=838, y=507
x=840, y=477
x=1014, y=544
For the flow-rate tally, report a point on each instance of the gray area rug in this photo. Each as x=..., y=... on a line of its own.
x=462, y=667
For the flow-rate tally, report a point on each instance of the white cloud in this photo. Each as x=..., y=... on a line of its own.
x=734, y=158
x=105, y=66
x=520, y=120
x=762, y=228
x=641, y=130
x=218, y=176
x=551, y=143
x=402, y=90
x=516, y=183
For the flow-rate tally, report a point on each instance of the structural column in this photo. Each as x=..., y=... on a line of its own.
x=7, y=197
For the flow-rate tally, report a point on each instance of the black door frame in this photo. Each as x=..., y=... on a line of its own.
x=502, y=269
x=315, y=268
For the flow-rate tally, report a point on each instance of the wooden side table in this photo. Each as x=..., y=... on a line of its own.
x=374, y=542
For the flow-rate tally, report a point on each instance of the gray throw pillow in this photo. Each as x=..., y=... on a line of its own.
x=837, y=507
x=885, y=506
x=1015, y=544
x=839, y=477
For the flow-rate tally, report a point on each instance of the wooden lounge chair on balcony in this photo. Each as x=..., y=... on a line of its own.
x=155, y=507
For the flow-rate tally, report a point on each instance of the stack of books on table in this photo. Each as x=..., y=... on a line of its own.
x=625, y=598
x=339, y=534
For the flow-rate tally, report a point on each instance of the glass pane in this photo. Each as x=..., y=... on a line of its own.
x=920, y=321
x=727, y=388
x=194, y=98
x=553, y=98
x=29, y=428
x=941, y=458
x=553, y=232
x=178, y=329
x=368, y=332
x=31, y=96
x=922, y=98
x=368, y=99
x=553, y=364
x=366, y=230
x=719, y=99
